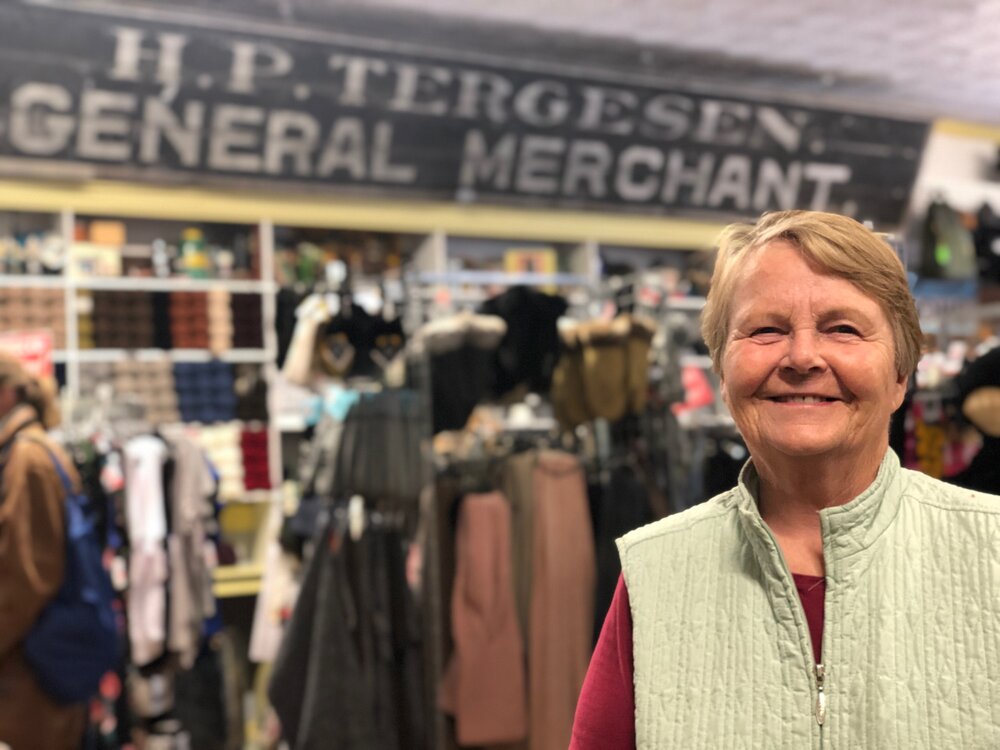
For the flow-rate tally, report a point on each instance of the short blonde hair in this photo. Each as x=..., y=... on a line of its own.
x=832, y=244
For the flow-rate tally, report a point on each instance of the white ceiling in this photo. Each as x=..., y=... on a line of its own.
x=937, y=58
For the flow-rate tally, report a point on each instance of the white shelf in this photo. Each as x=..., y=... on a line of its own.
x=14, y=280
x=173, y=284
x=502, y=278
x=235, y=356
x=252, y=497
x=137, y=284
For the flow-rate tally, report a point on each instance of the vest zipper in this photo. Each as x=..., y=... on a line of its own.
x=820, y=694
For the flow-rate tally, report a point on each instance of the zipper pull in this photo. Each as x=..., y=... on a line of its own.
x=820, y=695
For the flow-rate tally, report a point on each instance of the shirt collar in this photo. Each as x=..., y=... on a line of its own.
x=848, y=529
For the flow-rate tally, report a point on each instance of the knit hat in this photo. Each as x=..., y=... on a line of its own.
x=569, y=398
x=640, y=338
x=605, y=367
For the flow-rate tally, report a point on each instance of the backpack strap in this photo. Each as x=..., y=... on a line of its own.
x=63, y=476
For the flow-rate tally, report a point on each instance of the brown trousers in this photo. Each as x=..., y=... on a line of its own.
x=484, y=685
x=562, y=598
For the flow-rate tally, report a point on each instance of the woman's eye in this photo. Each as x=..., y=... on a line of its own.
x=844, y=328
x=765, y=331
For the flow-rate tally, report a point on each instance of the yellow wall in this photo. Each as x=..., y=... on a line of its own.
x=313, y=210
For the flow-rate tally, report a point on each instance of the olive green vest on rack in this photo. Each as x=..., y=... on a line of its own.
x=911, y=641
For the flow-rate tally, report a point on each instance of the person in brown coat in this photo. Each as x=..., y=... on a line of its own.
x=32, y=556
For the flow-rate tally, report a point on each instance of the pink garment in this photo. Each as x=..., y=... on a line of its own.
x=562, y=598
x=484, y=683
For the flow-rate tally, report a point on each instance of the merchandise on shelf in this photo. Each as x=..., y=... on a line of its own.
x=256, y=474
x=205, y=391
x=153, y=382
x=220, y=321
x=34, y=309
x=221, y=444
x=247, y=321
x=122, y=320
x=189, y=320
x=251, y=388
x=195, y=260
x=85, y=320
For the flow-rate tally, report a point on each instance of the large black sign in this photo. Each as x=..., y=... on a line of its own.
x=154, y=90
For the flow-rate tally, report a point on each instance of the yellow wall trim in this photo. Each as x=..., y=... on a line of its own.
x=107, y=198
x=967, y=129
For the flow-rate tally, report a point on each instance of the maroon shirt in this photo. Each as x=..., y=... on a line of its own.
x=605, y=713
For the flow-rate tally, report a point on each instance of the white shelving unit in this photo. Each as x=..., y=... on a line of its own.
x=234, y=356
x=136, y=284
x=73, y=357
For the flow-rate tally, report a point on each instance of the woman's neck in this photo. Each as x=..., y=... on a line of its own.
x=793, y=492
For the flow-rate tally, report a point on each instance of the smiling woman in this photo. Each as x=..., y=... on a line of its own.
x=795, y=609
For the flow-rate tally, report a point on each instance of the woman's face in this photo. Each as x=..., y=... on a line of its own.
x=808, y=367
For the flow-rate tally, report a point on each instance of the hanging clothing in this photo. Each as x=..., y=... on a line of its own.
x=379, y=455
x=983, y=473
x=517, y=483
x=529, y=351
x=484, y=683
x=623, y=506
x=562, y=598
x=349, y=674
x=147, y=530
x=460, y=354
x=191, y=557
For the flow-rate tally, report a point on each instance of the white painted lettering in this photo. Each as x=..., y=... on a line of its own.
x=631, y=186
x=777, y=188
x=356, y=70
x=160, y=122
x=234, y=141
x=345, y=149
x=105, y=129
x=383, y=169
x=252, y=60
x=785, y=133
x=479, y=164
x=723, y=123
x=678, y=175
x=418, y=89
x=290, y=135
x=825, y=176
x=542, y=103
x=667, y=117
x=732, y=182
x=36, y=127
x=130, y=51
x=607, y=110
x=587, y=167
x=482, y=95
x=538, y=164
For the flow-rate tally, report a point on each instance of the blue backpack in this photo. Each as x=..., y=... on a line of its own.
x=74, y=642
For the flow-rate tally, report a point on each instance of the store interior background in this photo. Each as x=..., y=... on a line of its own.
x=189, y=191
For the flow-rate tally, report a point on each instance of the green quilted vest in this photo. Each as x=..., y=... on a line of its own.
x=911, y=641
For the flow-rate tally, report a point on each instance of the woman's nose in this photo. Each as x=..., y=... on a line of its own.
x=803, y=353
